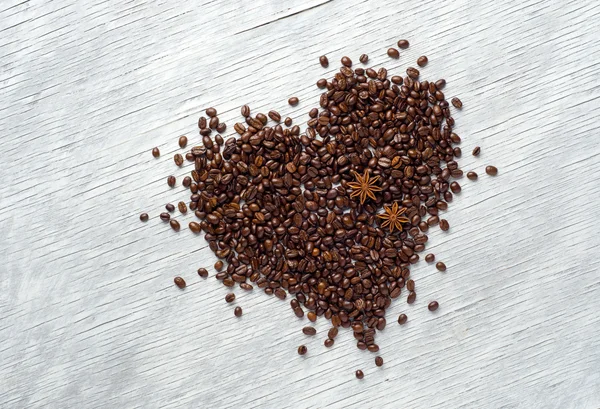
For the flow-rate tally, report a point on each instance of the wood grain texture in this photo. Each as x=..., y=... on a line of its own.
x=89, y=315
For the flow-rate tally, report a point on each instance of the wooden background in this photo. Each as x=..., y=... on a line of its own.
x=89, y=315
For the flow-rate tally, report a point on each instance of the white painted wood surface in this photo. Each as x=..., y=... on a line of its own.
x=89, y=315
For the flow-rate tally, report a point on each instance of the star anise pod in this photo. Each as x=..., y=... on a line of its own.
x=364, y=186
x=393, y=217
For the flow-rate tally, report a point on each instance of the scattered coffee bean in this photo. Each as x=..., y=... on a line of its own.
x=302, y=350
x=476, y=151
x=179, y=282
x=422, y=61
x=359, y=374
x=230, y=297
x=456, y=102
x=402, y=318
x=322, y=83
x=403, y=43
x=293, y=101
x=274, y=115
x=178, y=159
x=238, y=311
x=455, y=187
x=491, y=170
x=411, y=297
x=155, y=152
x=171, y=181
x=346, y=62
x=312, y=317
x=288, y=121
x=144, y=217
x=183, y=141
x=364, y=58
x=393, y=53
x=182, y=207
x=471, y=175
x=165, y=217
x=174, y=224
x=202, y=272
x=430, y=258
x=170, y=207
x=195, y=227
x=219, y=265
x=245, y=111
x=309, y=331
x=332, y=333
x=329, y=342
x=211, y=112
x=324, y=61
x=440, y=266
x=379, y=361
x=433, y=306
x=444, y=225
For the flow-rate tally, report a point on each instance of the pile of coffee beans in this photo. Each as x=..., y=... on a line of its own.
x=276, y=204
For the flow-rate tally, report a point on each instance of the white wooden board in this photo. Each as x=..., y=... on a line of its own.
x=89, y=315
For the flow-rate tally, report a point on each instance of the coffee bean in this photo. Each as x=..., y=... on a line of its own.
x=346, y=62
x=178, y=159
x=288, y=121
x=170, y=207
x=403, y=43
x=411, y=297
x=302, y=350
x=309, y=331
x=183, y=141
x=410, y=285
x=174, y=224
x=195, y=227
x=471, y=175
x=293, y=101
x=402, y=318
x=202, y=272
x=324, y=61
x=219, y=265
x=422, y=61
x=171, y=181
x=155, y=152
x=211, y=112
x=430, y=258
x=359, y=374
x=329, y=342
x=322, y=83
x=456, y=102
x=491, y=170
x=230, y=297
x=455, y=187
x=182, y=207
x=433, y=306
x=165, y=217
x=238, y=311
x=246, y=286
x=379, y=361
x=144, y=217
x=274, y=115
x=364, y=58
x=412, y=73
x=393, y=53
x=179, y=282
x=444, y=225
x=312, y=317
x=476, y=151
x=440, y=266
x=332, y=333
x=245, y=111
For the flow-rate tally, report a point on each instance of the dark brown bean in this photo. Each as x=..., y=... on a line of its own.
x=211, y=112
x=293, y=101
x=174, y=224
x=402, y=318
x=324, y=61
x=476, y=151
x=471, y=175
x=230, y=297
x=219, y=265
x=182, y=207
x=144, y=217
x=170, y=207
x=379, y=361
x=329, y=342
x=456, y=102
x=195, y=227
x=411, y=297
x=440, y=266
x=165, y=217
x=491, y=170
x=155, y=152
x=403, y=43
x=322, y=83
x=238, y=311
x=245, y=111
x=312, y=317
x=393, y=53
x=179, y=282
x=346, y=61
x=202, y=272
x=332, y=333
x=364, y=58
x=455, y=187
x=430, y=258
x=183, y=141
x=171, y=181
x=433, y=306
x=288, y=121
x=309, y=331
x=274, y=115
x=359, y=374
x=422, y=61
x=444, y=225
x=302, y=350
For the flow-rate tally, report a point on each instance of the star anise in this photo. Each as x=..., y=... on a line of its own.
x=393, y=217
x=364, y=186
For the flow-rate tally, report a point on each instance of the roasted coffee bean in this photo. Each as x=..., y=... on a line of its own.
x=245, y=111
x=182, y=207
x=183, y=141
x=302, y=350
x=202, y=272
x=402, y=318
x=359, y=374
x=238, y=311
x=211, y=112
x=186, y=182
x=328, y=342
x=471, y=175
x=230, y=297
x=455, y=187
x=144, y=217
x=155, y=152
x=364, y=58
x=379, y=361
x=288, y=121
x=403, y=43
x=422, y=61
x=332, y=333
x=195, y=227
x=476, y=151
x=324, y=61
x=246, y=286
x=322, y=83
x=346, y=61
x=171, y=181
x=312, y=317
x=174, y=224
x=219, y=265
x=444, y=225
x=456, y=102
x=309, y=331
x=170, y=207
x=178, y=159
x=433, y=306
x=440, y=266
x=165, y=217
x=274, y=115
x=393, y=53
x=179, y=282
x=491, y=170
x=411, y=297
x=430, y=258
x=293, y=101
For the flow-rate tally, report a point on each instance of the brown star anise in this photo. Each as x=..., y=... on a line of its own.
x=393, y=217
x=364, y=186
